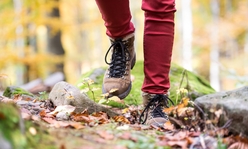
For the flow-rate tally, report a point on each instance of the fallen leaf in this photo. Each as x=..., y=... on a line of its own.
x=76, y=125
x=43, y=113
x=122, y=119
x=186, y=111
x=185, y=101
x=169, y=110
x=218, y=113
x=106, y=135
x=7, y=100
x=124, y=111
x=26, y=116
x=116, y=99
x=56, y=124
x=64, y=108
x=113, y=90
x=168, y=126
x=183, y=144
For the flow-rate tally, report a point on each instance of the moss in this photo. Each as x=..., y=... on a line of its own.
x=196, y=85
x=11, y=91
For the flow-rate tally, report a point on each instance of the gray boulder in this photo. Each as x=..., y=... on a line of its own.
x=235, y=105
x=64, y=93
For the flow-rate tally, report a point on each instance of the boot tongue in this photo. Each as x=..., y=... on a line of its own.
x=118, y=63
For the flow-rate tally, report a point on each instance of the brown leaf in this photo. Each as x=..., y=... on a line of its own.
x=7, y=100
x=63, y=108
x=42, y=113
x=122, y=119
x=182, y=144
x=56, y=124
x=106, y=135
x=186, y=111
x=168, y=126
x=76, y=125
x=185, y=101
x=169, y=110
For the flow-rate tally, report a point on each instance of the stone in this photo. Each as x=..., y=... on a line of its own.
x=64, y=93
x=62, y=116
x=235, y=105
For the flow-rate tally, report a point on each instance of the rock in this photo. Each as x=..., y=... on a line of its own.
x=234, y=103
x=65, y=94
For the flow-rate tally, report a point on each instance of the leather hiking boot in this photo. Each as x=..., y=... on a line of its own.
x=153, y=112
x=117, y=77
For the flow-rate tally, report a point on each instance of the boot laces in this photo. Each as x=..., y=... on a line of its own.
x=155, y=108
x=120, y=55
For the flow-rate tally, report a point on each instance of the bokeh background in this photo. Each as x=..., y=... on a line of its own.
x=40, y=37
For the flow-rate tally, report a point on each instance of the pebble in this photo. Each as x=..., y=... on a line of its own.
x=22, y=102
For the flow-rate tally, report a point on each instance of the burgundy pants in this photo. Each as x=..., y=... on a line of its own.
x=158, y=36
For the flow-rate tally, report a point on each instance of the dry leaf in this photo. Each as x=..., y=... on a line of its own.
x=43, y=113
x=7, y=100
x=218, y=113
x=116, y=99
x=168, y=126
x=113, y=90
x=185, y=101
x=76, y=125
x=105, y=135
x=122, y=119
x=64, y=108
x=169, y=110
x=186, y=111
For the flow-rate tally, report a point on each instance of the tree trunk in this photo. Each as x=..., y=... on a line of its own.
x=19, y=42
x=214, y=51
x=187, y=28
x=54, y=42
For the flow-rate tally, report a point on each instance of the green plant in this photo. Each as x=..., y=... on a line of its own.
x=43, y=96
x=86, y=86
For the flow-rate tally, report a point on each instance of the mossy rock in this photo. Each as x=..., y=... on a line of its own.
x=196, y=85
x=11, y=91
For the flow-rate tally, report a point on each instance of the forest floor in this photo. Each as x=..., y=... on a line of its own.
x=186, y=128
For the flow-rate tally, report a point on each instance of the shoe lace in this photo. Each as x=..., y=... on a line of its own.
x=155, y=106
x=119, y=58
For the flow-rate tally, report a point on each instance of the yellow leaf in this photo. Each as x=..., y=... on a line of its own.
x=124, y=111
x=116, y=99
x=113, y=90
x=169, y=110
x=185, y=101
x=168, y=126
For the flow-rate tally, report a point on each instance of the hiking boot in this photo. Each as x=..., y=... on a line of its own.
x=117, y=77
x=153, y=112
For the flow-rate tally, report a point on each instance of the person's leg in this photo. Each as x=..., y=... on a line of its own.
x=158, y=43
x=117, y=17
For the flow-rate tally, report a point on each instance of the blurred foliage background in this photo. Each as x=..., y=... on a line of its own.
x=39, y=37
